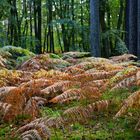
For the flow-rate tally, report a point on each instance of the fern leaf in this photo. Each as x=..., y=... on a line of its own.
x=74, y=71
x=4, y=108
x=68, y=95
x=132, y=100
x=40, y=129
x=128, y=72
x=30, y=135
x=53, y=74
x=58, y=88
x=96, y=83
x=123, y=58
x=77, y=94
x=94, y=76
x=126, y=83
x=83, y=113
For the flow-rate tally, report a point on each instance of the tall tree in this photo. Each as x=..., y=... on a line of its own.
x=132, y=26
x=94, y=28
x=138, y=34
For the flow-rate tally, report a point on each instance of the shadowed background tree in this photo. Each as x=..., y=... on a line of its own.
x=65, y=25
x=94, y=28
x=133, y=27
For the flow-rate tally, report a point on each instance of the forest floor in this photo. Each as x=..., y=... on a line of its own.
x=69, y=97
x=101, y=127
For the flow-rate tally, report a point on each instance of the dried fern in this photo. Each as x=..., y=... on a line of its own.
x=77, y=114
x=30, y=135
x=94, y=76
x=131, y=101
x=123, y=58
x=126, y=83
x=35, y=131
x=4, y=108
x=126, y=73
x=71, y=94
x=58, y=88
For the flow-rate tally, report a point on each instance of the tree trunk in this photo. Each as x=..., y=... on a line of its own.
x=131, y=26
x=94, y=28
x=138, y=30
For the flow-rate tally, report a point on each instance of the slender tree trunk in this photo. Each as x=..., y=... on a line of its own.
x=138, y=26
x=94, y=28
x=131, y=26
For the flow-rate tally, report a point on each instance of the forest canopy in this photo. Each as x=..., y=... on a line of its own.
x=70, y=25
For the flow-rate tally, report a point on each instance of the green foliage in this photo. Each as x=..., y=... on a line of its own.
x=15, y=55
x=17, y=51
x=52, y=55
x=120, y=48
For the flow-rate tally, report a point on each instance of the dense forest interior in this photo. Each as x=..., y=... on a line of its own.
x=69, y=69
x=71, y=25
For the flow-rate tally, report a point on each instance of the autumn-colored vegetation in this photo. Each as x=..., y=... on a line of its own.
x=48, y=80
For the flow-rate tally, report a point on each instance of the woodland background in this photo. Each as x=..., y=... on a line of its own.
x=67, y=25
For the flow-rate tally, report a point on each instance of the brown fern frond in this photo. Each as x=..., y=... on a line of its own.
x=126, y=83
x=138, y=78
x=84, y=65
x=33, y=105
x=2, y=62
x=38, y=83
x=96, y=83
x=53, y=74
x=97, y=60
x=30, y=135
x=90, y=92
x=40, y=129
x=32, y=109
x=4, y=108
x=127, y=72
x=68, y=95
x=40, y=101
x=4, y=91
x=137, y=127
x=94, y=76
x=83, y=113
x=123, y=58
x=43, y=61
x=77, y=94
x=94, y=70
x=19, y=98
x=131, y=101
x=58, y=88
x=74, y=70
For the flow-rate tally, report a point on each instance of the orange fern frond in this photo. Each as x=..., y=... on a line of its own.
x=94, y=76
x=127, y=72
x=53, y=74
x=126, y=83
x=31, y=134
x=132, y=100
x=77, y=94
x=58, y=88
x=4, y=108
x=96, y=83
x=83, y=113
x=90, y=92
x=123, y=58
x=32, y=109
x=74, y=71
x=36, y=130
x=68, y=95
x=43, y=61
